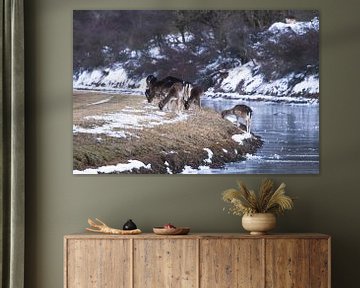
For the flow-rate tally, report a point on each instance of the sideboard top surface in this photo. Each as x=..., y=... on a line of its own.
x=86, y=235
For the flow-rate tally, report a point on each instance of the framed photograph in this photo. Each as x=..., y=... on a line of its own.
x=196, y=91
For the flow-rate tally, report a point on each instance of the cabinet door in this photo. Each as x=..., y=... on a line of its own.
x=287, y=263
x=320, y=263
x=98, y=263
x=165, y=263
x=231, y=263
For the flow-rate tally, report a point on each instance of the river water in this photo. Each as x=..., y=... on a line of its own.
x=290, y=133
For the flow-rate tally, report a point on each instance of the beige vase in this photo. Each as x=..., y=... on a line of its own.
x=259, y=223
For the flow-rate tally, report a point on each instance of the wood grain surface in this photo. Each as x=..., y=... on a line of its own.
x=165, y=263
x=197, y=260
x=287, y=263
x=98, y=263
x=229, y=263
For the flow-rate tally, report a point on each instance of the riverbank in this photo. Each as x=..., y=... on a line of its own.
x=115, y=133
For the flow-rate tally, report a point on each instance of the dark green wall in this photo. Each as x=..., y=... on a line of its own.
x=59, y=203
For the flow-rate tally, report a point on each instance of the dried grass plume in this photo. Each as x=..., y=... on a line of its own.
x=267, y=200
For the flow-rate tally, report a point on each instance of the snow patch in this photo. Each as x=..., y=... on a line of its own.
x=297, y=27
x=189, y=170
x=241, y=137
x=115, y=77
x=116, y=124
x=242, y=80
x=105, y=129
x=121, y=167
x=252, y=157
x=210, y=155
x=100, y=102
x=168, y=170
x=236, y=76
x=310, y=84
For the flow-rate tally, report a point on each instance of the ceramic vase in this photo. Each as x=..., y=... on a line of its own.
x=259, y=223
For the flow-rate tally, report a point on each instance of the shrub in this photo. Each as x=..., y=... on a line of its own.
x=289, y=53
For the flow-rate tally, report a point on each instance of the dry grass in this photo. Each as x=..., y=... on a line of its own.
x=180, y=143
x=267, y=200
x=83, y=104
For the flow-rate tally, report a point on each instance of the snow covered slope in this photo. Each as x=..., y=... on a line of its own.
x=244, y=79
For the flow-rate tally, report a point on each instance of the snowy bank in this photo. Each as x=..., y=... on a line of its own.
x=139, y=138
x=240, y=78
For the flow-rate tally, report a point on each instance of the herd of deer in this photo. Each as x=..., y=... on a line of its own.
x=175, y=94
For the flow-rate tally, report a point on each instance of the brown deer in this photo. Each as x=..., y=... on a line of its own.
x=174, y=100
x=240, y=111
x=159, y=88
x=194, y=98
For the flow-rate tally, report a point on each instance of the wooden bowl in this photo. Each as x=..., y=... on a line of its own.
x=171, y=231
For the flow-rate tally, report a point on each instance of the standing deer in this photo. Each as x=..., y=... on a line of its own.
x=194, y=98
x=174, y=100
x=160, y=88
x=240, y=111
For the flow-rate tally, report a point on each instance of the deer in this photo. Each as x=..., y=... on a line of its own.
x=240, y=111
x=174, y=100
x=194, y=98
x=159, y=88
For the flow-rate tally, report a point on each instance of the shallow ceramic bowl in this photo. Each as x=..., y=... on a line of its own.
x=171, y=231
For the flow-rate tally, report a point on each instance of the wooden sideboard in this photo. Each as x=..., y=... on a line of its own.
x=197, y=260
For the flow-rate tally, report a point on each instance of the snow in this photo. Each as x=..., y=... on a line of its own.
x=177, y=38
x=189, y=170
x=175, y=41
x=252, y=157
x=100, y=102
x=168, y=170
x=115, y=77
x=309, y=85
x=236, y=75
x=241, y=137
x=298, y=27
x=244, y=78
x=90, y=77
x=121, y=167
x=210, y=155
x=241, y=79
x=154, y=52
x=276, y=87
x=259, y=97
x=105, y=129
x=117, y=124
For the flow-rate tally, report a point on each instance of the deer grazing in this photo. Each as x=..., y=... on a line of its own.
x=194, y=98
x=240, y=111
x=160, y=88
x=174, y=100
x=173, y=93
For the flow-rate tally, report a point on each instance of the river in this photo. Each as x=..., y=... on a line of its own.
x=290, y=133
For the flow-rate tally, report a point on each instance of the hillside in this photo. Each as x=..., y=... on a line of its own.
x=268, y=71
